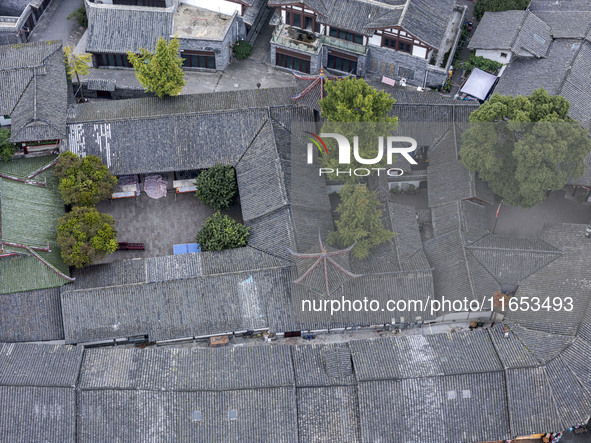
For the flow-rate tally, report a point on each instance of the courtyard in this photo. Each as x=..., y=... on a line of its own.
x=158, y=223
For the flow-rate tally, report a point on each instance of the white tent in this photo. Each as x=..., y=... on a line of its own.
x=479, y=84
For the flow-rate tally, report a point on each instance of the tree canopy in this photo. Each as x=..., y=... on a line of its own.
x=524, y=146
x=7, y=149
x=222, y=232
x=498, y=5
x=160, y=72
x=85, y=235
x=83, y=181
x=217, y=187
x=354, y=108
x=360, y=221
x=479, y=62
x=76, y=64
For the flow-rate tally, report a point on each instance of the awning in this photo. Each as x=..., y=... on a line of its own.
x=479, y=84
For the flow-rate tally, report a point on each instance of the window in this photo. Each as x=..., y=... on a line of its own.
x=346, y=35
x=198, y=59
x=112, y=60
x=398, y=44
x=341, y=62
x=300, y=20
x=293, y=61
x=149, y=3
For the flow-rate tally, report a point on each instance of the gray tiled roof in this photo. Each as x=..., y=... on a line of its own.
x=101, y=84
x=425, y=19
x=187, y=369
x=553, y=5
x=530, y=406
x=511, y=350
x=262, y=415
x=517, y=31
x=117, y=29
x=328, y=414
x=13, y=8
x=323, y=365
x=31, y=316
x=37, y=414
x=33, y=90
x=39, y=365
x=566, y=24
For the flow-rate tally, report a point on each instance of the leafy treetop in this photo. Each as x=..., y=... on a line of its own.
x=160, y=72
x=360, y=221
x=524, y=146
x=217, y=187
x=222, y=232
x=85, y=235
x=7, y=149
x=483, y=6
x=83, y=181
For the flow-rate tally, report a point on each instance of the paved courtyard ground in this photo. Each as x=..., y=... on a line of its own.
x=529, y=222
x=159, y=224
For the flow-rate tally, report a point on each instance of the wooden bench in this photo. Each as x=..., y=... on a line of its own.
x=125, y=246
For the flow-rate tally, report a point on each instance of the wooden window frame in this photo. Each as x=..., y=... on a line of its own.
x=282, y=54
x=343, y=34
x=350, y=58
x=207, y=57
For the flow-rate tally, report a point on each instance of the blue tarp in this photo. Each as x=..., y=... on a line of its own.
x=186, y=248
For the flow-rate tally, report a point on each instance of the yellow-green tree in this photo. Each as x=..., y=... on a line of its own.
x=160, y=71
x=76, y=64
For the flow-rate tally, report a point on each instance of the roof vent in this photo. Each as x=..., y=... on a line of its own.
x=196, y=415
x=233, y=414
x=540, y=39
x=466, y=393
x=451, y=395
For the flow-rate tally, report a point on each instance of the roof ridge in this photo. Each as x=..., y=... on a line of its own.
x=540, y=251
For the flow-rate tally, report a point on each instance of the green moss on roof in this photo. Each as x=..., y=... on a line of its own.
x=29, y=215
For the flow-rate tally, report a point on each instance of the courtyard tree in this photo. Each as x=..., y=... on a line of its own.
x=483, y=6
x=525, y=146
x=83, y=181
x=160, y=71
x=85, y=235
x=7, y=149
x=76, y=64
x=222, y=232
x=217, y=187
x=360, y=221
x=355, y=109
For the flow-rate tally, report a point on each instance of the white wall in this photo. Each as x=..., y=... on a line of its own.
x=375, y=40
x=417, y=51
x=222, y=6
x=494, y=54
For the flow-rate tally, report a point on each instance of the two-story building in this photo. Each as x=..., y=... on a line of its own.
x=398, y=38
x=206, y=30
x=18, y=18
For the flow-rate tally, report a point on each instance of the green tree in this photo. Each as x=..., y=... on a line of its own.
x=354, y=108
x=483, y=63
x=217, y=187
x=76, y=64
x=160, y=72
x=524, y=146
x=83, y=181
x=498, y=5
x=222, y=232
x=7, y=149
x=360, y=221
x=85, y=235
x=80, y=16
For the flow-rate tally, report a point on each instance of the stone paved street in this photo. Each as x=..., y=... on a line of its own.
x=54, y=25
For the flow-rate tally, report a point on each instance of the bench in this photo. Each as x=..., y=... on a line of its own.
x=125, y=246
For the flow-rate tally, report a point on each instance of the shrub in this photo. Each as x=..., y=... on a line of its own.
x=80, y=15
x=485, y=64
x=84, y=235
x=498, y=5
x=222, y=232
x=83, y=182
x=242, y=50
x=217, y=187
x=7, y=149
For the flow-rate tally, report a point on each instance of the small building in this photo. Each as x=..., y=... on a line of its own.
x=18, y=18
x=206, y=32
x=33, y=92
x=399, y=40
x=503, y=35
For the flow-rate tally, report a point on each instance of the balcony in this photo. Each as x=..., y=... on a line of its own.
x=310, y=42
x=346, y=45
x=298, y=39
